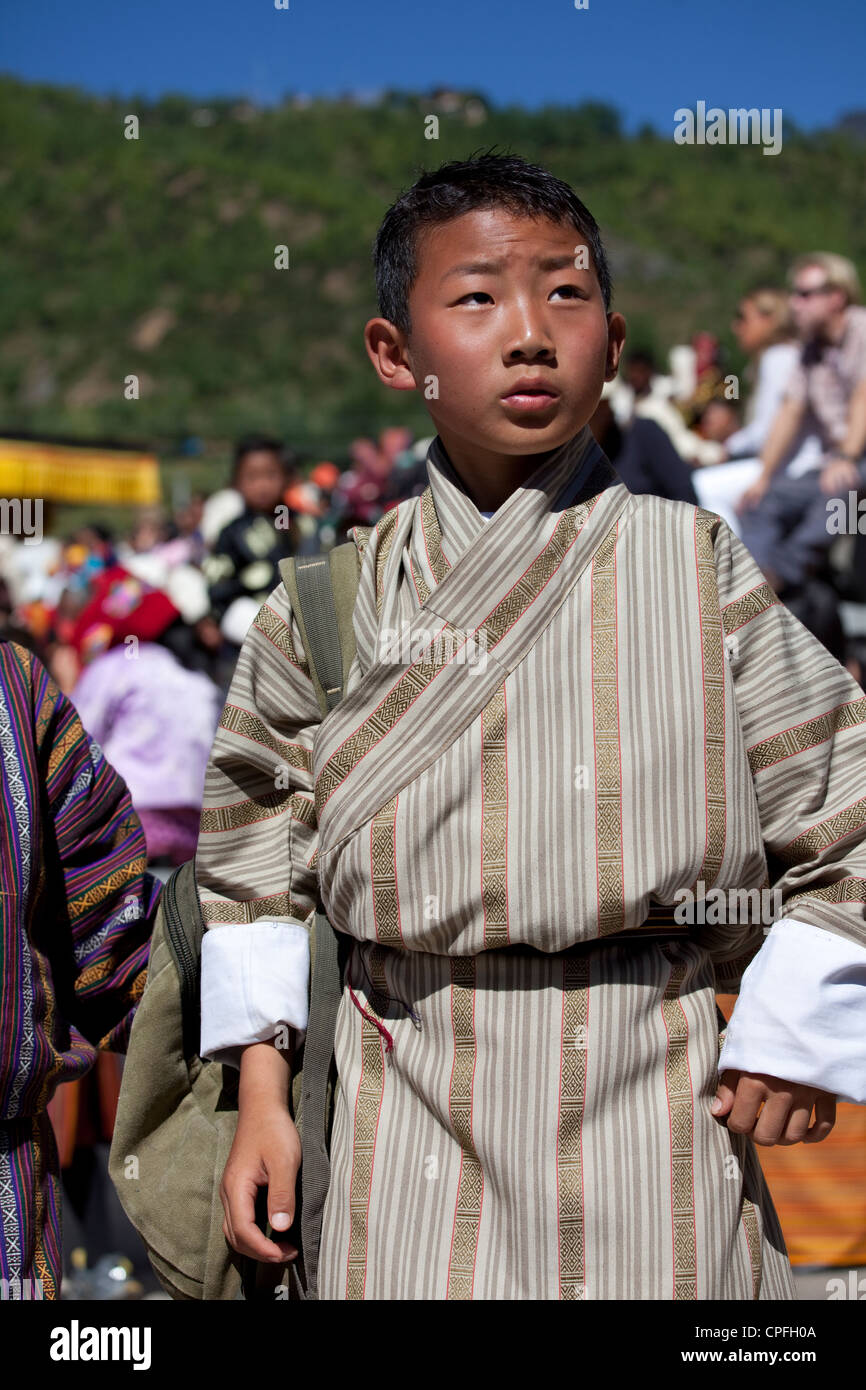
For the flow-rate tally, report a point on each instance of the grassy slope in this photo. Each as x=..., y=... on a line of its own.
x=104, y=241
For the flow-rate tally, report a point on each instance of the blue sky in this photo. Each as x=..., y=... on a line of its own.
x=647, y=57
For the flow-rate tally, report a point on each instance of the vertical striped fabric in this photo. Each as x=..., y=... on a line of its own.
x=555, y=720
x=75, y=917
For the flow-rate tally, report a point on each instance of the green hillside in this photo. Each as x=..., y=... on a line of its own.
x=155, y=256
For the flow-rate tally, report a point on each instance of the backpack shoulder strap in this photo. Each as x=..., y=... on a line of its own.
x=322, y=591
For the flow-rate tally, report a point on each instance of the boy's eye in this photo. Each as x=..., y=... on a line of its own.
x=572, y=290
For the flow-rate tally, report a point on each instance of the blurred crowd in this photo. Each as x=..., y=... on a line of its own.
x=137, y=626
x=780, y=454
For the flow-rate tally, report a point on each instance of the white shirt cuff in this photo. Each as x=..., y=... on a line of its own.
x=801, y=1013
x=238, y=619
x=254, y=980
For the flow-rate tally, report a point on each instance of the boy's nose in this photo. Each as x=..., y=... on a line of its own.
x=532, y=341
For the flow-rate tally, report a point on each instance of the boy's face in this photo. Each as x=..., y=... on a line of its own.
x=260, y=480
x=718, y=422
x=639, y=376
x=487, y=312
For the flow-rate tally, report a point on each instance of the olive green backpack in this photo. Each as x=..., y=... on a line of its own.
x=176, y=1113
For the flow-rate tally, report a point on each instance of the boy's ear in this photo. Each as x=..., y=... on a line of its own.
x=615, y=344
x=387, y=350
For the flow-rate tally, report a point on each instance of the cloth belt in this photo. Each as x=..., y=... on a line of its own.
x=659, y=925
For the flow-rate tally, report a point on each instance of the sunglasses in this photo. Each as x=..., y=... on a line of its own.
x=807, y=294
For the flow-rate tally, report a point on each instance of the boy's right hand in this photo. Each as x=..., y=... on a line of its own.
x=266, y=1153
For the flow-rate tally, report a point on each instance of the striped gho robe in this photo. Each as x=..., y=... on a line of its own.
x=76, y=912
x=524, y=1101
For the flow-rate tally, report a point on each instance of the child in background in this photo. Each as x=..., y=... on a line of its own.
x=244, y=565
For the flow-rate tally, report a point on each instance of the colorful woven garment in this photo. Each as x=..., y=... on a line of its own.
x=76, y=912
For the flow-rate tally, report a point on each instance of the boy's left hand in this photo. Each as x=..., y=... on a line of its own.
x=787, y=1108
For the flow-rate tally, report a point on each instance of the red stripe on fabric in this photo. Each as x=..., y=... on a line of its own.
x=778, y=733
x=724, y=790
x=618, y=726
x=748, y=1249
x=703, y=698
x=558, y=1131
x=505, y=749
x=424, y=539
x=594, y=740
x=372, y=1164
x=471, y=1138
x=670, y=1128
x=451, y=1118
x=373, y=882
x=818, y=823
x=456, y=1200
x=481, y=856
x=396, y=889
x=240, y=733
x=385, y=697
x=276, y=648
x=752, y=616
x=671, y=1135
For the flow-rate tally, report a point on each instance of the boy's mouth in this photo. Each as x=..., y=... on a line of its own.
x=529, y=395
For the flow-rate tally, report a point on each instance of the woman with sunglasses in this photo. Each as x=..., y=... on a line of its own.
x=764, y=329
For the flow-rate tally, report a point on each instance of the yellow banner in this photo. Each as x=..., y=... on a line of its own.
x=69, y=473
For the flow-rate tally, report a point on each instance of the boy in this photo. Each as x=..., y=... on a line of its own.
x=566, y=740
x=245, y=563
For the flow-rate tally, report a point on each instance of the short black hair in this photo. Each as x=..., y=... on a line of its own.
x=700, y=411
x=255, y=443
x=482, y=181
x=642, y=357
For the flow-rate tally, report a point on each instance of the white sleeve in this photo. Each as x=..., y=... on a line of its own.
x=801, y=1012
x=254, y=979
x=775, y=367
x=257, y=845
